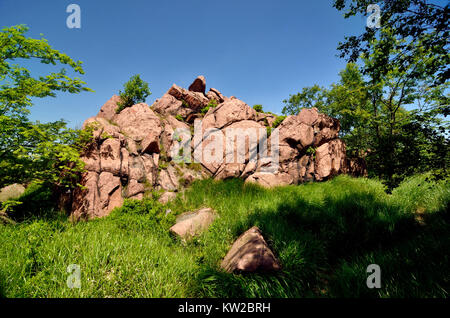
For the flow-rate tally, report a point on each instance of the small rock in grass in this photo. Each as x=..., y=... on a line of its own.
x=190, y=224
x=250, y=253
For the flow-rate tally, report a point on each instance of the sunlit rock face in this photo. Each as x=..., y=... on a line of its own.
x=185, y=135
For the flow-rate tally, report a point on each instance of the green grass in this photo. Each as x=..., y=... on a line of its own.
x=325, y=235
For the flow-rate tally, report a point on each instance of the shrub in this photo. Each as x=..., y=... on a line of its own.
x=278, y=121
x=185, y=103
x=178, y=117
x=135, y=91
x=258, y=108
x=212, y=104
x=150, y=207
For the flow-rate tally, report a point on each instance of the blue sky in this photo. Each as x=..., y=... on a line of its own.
x=259, y=51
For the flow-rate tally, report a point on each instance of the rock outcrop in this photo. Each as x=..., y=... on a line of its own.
x=145, y=148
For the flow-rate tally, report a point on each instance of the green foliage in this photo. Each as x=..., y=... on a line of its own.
x=419, y=27
x=34, y=150
x=150, y=207
x=278, y=121
x=375, y=120
x=311, y=151
x=309, y=97
x=184, y=103
x=135, y=91
x=258, y=108
x=324, y=234
x=212, y=104
x=179, y=117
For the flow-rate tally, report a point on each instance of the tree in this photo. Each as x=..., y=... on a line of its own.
x=34, y=150
x=421, y=28
x=376, y=122
x=135, y=91
x=258, y=108
x=401, y=93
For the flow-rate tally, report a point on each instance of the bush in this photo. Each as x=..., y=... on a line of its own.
x=150, y=207
x=258, y=108
x=278, y=121
x=135, y=91
x=212, y=104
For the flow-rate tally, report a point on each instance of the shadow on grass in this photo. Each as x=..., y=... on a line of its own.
x=325, y=250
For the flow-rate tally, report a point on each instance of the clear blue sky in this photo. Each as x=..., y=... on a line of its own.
x=259, y=51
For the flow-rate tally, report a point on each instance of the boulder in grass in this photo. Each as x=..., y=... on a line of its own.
x=12, y=191
x=250, y=253
x=191, y=224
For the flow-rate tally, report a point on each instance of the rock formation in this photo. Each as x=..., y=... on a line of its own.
x=132, y=152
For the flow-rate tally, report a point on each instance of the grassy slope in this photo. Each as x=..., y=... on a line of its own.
x=325, y=235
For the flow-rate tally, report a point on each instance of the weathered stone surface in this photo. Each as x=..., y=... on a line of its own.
x=91, y=158
x=136, y=147
x=86, y=201
x=326, y=129
x=169, y=105
x=308, y=116
x=194, y=100
x=150, y=168
x=107, y=184
x=108, y=110
x=265, y=119
x=330, y=159
x=190, y=224
x=134, y=188
x=102, y=128
x=139, y=122
x=199, y=85
x=295, y=134
x=250, y=253
x=167, y=197
x=110, y=156
x=232, y=110
x=167, y=179
x=136, y=168
x=172, y=126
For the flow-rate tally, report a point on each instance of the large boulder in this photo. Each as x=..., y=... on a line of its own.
x=108, y=110
x=330, y=159
x=194, y=100
x=139, y=123
x=199, y=85
x=227, y=113
x=250, y=253
x=169, y=105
